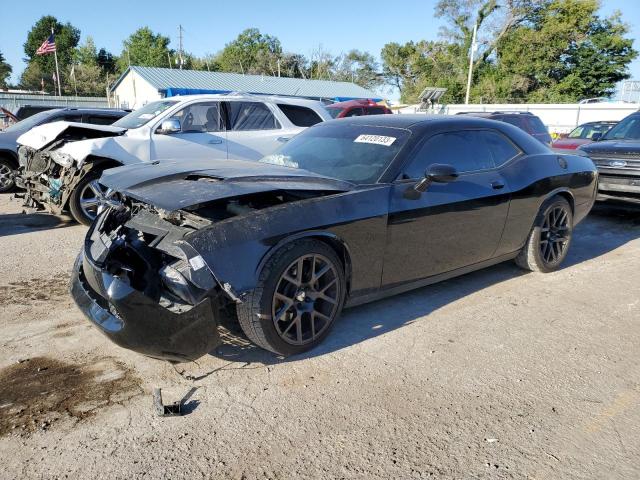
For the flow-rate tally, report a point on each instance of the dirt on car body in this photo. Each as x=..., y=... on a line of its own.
x=36, y=393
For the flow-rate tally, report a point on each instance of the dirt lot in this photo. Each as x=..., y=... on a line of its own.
x=498, y=374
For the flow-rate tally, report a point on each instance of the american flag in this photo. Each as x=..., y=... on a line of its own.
x=48, y=46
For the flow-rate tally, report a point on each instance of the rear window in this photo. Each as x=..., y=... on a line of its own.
x=101, y=119
x=515, y=120
x=376, y=111
x=300, y=116
x=537, y=125
x=251, y=116
x=334, y=112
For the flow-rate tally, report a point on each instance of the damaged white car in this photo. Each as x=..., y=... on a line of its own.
x=60, y=163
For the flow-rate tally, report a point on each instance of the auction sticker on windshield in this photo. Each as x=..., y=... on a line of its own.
x=375, y=139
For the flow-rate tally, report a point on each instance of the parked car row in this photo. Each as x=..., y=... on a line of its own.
x=265, y=210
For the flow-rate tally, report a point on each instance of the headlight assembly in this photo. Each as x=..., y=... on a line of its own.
x=61, y=159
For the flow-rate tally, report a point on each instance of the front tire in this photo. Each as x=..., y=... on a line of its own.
x=549, y=239
x=86, y=197
x=300, y=293
x=7, y=171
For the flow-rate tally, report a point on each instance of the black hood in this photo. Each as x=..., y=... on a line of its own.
x=172, y=185
x=613, y=147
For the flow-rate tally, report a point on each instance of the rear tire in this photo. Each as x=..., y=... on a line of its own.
x=302, y=286
x=7, y=171
x=549, y=239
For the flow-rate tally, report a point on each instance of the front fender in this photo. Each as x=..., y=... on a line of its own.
x=236, y=249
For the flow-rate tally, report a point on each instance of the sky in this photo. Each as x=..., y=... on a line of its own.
x=301, y=25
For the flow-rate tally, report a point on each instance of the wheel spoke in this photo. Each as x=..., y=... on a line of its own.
x=89, y=202
x=95, y=188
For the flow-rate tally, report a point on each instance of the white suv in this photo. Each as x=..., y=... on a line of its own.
x=61, y=162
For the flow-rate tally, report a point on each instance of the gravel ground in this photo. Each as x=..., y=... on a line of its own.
x=497, y=374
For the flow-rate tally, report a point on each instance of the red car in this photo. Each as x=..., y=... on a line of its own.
x=583, y=134
x=356, y=108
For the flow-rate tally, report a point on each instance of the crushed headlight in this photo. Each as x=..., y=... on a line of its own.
x=61, y=159
x=178, y=285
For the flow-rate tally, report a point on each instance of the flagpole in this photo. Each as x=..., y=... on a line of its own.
x=55, y=54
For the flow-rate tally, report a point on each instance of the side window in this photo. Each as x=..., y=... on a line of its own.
x=300, y=116
x=375, y=111
x=502, y=150
x=354, y=112
x=537, y=125
x=251, y=116
x=70, y=118
x=200, y=117
x=101, y=120
x=463, y=149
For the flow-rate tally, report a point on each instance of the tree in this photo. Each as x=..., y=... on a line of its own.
x=5, y=72
x=252, y=53
x=66, y=36
x=145, y=48
x=106, y=61
x=358, y=67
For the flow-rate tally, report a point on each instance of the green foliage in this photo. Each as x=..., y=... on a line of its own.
x=358, y=67
x=66, y=36
x=145, y=48
x=5, y=72
x=535, y=50
x=251, y=53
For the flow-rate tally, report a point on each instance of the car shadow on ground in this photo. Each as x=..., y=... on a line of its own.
x=18, y=223
x=607, y=228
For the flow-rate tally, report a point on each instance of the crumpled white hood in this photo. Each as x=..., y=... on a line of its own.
x=40, y=136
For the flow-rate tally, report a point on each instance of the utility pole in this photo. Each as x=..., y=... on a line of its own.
x=474, y=46
x=180, y=58
x=55, y=54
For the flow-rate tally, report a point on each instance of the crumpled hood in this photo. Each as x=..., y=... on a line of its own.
x=612, y=147
x=42, y=135
x=173, y=185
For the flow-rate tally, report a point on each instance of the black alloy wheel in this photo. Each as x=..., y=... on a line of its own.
x=555, y=234
x=306, y=299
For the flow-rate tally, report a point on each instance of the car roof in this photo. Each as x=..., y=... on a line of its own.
x=236, y=96
x=418, y=121
x=358, y=102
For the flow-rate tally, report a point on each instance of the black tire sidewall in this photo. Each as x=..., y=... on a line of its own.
x=276, y=268
x=548, y=206
x=9, y=164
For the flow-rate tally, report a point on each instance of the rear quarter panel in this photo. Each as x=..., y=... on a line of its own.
x=534, y=179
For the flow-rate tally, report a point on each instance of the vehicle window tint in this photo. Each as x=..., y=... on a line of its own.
x=537, y=125
x=101, y=119
x=200, y=117
x=71, y=118
x=465, y=150
x=514, y=120
x=300, y=116
x=251, y=116
x=354, y=112
x=376, y=110
x=501, y=149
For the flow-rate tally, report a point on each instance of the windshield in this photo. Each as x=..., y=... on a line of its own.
x=334, y=112
x=145, y=114
x=29, y=123
x=587, y=131
x=627, y=129
x=353, y=153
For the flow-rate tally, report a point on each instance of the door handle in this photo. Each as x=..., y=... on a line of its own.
x=497, y=185
x=215, y=141
x=283, y=139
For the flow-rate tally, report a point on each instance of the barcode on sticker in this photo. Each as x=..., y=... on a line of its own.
x=375, y=139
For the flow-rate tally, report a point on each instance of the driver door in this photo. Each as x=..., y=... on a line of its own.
x=451, y=225
x=202, y=135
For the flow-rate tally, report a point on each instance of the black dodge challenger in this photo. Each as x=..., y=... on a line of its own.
x=347, y=212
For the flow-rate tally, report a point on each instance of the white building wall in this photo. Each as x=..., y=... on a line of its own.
x=134, y=92
x=559, y=118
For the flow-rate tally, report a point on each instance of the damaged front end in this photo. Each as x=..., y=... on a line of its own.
x=146, y=288
x=47, y=173
x=48, y=178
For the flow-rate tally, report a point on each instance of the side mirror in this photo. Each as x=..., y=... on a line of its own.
x=596, y=136
x=171, y=125
x=436, y=173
